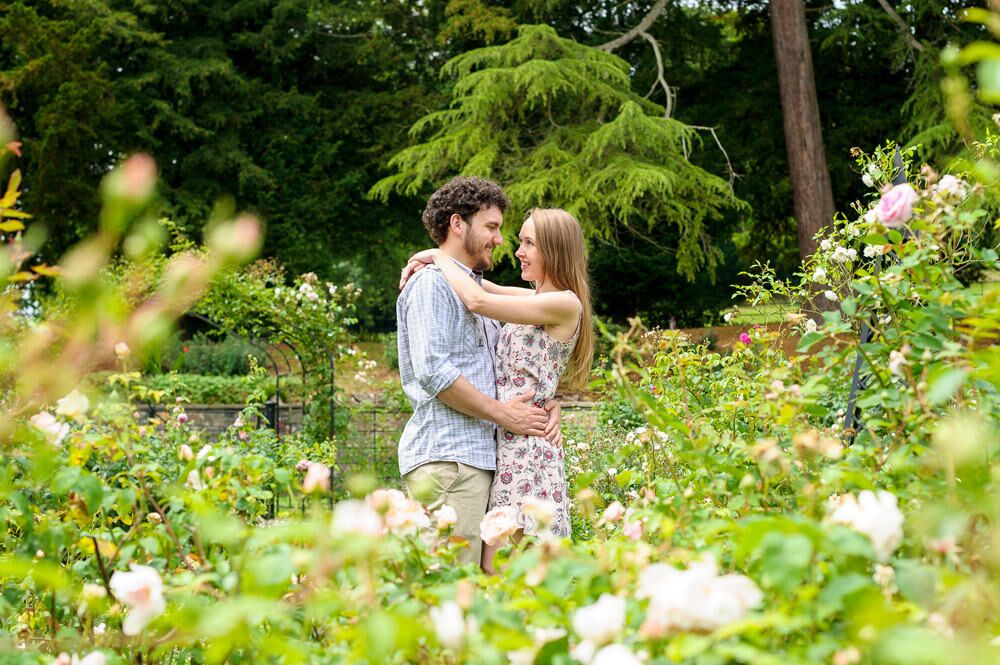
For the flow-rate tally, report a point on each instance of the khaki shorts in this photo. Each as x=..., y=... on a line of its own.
x=465, y=488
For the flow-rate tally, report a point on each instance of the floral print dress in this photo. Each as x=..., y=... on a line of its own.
x=529, y=466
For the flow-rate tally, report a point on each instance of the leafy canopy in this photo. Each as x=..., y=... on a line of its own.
x=558, y=123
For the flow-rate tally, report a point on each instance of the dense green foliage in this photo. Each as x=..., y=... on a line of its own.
x=295, y=109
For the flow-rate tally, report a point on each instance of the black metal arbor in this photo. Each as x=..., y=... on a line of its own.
x=859, y=380
x=271, y=408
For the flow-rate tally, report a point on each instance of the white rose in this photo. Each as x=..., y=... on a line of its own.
x=445, y=517
x=952, y=186
x=602, y=621
x=583, y=652
x=867, y=179
x=194, y=480
x=74, y=405
x=810, y=325
x=54, y=430
x=93, y=592
x=142, y=592
x=449, y=624
x=896, y=361
x=545, y=635
x=696, y=599
x=356, y=517
x=521, y=657
x=727, y=317
x=826, y=245
x=842, y=254
x=407, y=517
x=875, y=515
x=615, y=654
x=830, y=295
x=819, y=275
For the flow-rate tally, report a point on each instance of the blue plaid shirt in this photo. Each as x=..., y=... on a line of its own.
x=439, y=339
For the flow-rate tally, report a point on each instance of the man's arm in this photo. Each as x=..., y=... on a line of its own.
x=431, y=313
x=517, y=416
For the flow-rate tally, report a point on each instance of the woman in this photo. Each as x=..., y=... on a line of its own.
x=548, y=335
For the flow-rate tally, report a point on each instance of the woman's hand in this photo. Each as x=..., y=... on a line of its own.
x=417, y=262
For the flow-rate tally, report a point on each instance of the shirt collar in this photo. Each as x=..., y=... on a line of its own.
x=474, y=274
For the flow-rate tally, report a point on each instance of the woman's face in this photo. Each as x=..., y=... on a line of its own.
x=528, y=254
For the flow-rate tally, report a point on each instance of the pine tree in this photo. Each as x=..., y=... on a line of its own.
x=558, y=124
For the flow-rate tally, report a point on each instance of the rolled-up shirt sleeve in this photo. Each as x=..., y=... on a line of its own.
x=432, y=319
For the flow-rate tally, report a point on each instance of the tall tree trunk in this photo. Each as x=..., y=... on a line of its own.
x=806, y=160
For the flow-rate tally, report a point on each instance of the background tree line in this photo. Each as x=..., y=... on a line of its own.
x=295, y=108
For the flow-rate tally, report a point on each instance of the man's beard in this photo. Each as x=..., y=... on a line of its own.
x=481, y=258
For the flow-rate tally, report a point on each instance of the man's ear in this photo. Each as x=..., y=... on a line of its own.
x=457, y=224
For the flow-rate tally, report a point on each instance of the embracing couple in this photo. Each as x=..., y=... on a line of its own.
x=484, y=433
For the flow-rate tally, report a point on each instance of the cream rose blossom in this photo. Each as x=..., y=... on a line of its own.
x=356, y=517
x=875, y=515
x=74, y=405
x=694, y=600
x=615, y=654
x=54, y=430
x=445, y=517
x=141, y=590
x=498, y=525
x=449, y=624
x=602, y=621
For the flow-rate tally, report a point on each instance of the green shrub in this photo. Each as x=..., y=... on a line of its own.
x=204, y=354
x=201, y=389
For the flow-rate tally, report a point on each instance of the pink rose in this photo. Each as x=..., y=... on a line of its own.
x=614, y=512
x=745, y=339
x=896, y=206
x=317, y=479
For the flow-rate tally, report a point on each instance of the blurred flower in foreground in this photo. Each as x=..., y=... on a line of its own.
x=74, y=405
x=875, y=515
x=498, y=525
x=142, y=591
x=54, y=430
x=602, y=621
x=694, y=600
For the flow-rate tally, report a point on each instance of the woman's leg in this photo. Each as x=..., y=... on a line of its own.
x=486, y=563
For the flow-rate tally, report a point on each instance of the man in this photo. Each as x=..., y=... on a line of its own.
x=447, y=453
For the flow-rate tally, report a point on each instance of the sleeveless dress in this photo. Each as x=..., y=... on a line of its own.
x=528, y=358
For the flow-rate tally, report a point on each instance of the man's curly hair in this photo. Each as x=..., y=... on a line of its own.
x=463, y=195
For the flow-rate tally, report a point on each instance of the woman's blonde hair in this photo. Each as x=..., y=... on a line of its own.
x=564, y=264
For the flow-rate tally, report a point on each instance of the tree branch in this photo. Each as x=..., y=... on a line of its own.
x=904, y=28
x=659, y=74
x=729, y=164
x=644, y=25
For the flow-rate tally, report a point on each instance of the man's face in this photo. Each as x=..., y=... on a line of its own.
x=482, y=236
